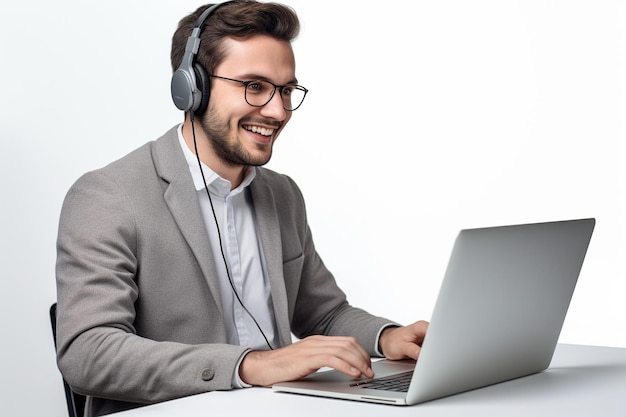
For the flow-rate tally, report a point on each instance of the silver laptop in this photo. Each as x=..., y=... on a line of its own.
x=498, y=316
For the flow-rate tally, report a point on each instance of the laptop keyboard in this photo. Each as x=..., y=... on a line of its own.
x=397, y=382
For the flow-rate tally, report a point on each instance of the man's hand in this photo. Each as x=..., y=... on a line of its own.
x=403, y=342
x=265, y=368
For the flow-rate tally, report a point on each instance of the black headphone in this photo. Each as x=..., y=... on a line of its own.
x=190, y=92
x=190, y=85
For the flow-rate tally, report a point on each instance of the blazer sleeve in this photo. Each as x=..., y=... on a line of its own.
x=317, y=303
x=99, y=350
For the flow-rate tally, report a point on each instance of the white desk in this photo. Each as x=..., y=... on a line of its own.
x=581, y=381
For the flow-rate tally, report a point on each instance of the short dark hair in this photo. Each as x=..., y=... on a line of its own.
x=239, y=19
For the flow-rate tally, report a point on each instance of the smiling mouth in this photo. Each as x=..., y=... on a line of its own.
x=264, y=131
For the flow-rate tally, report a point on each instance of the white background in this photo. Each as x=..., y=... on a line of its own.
x=423, y=118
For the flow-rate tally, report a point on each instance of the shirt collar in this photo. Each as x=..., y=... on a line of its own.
x=216, y=184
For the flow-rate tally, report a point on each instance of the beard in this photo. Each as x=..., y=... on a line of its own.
x=227, y=146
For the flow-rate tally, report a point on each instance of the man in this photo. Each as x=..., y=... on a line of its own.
x=184, y=267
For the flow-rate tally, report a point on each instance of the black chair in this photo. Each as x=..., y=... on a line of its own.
x=75, y=402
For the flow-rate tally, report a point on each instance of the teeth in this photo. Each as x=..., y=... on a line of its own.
x=260, y=130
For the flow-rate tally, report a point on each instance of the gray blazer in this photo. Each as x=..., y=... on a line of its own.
x=139, y=310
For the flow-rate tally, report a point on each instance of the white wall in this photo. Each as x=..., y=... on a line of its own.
x=423, y=118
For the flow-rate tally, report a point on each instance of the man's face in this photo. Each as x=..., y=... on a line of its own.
x=241, y=134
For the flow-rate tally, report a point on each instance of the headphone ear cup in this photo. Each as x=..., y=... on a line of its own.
x=182, y=91
x=204, y=86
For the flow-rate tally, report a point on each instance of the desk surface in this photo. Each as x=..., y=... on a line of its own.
x=581, y=381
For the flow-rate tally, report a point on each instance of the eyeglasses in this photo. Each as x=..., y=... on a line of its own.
x=258, y=93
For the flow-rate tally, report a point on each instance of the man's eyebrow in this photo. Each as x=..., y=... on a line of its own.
x=262, y=78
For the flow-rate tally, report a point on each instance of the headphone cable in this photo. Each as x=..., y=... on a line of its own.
x=219, y=235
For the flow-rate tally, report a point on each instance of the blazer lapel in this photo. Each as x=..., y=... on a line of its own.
x=269, y=231
x=182, y=200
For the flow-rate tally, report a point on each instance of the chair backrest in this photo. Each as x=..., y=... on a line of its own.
x=75, y=402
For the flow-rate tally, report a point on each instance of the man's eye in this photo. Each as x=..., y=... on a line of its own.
x=287, y=90
x=257, y=87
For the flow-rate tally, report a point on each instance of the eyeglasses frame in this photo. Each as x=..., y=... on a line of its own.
x=247, y=83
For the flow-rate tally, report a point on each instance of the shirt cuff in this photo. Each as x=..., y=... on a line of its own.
x=377, y=345
x=237, y=382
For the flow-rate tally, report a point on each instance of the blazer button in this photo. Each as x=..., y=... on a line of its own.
x=208, y=374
